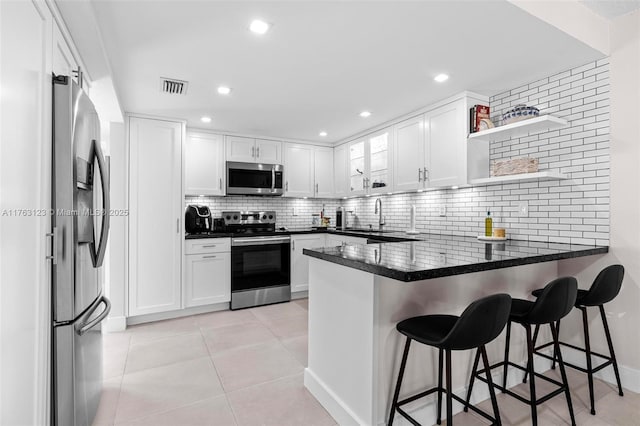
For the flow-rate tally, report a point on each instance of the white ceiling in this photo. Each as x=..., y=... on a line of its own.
x=612, y=8
x=323, y=62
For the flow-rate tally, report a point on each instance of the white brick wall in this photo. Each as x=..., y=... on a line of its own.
x=575, y=210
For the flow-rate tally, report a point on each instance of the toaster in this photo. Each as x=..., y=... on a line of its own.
x=197, y=219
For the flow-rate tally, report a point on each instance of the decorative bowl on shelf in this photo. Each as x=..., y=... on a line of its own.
x=518, y=113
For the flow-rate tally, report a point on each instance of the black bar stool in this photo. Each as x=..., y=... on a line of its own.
x=604, y=289
x=555, y=301
x=479, y=324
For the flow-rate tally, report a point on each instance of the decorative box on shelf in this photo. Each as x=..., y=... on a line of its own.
x=514, y=166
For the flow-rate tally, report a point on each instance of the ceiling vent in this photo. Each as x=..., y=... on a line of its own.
x=173, y=86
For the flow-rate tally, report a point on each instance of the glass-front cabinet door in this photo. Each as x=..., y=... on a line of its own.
x=357, y=167
x=379, y=172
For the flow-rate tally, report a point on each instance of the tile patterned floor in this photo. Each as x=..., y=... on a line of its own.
x=245, y=368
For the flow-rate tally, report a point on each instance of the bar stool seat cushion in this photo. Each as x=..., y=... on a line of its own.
x=428, y=329
x=519, y=309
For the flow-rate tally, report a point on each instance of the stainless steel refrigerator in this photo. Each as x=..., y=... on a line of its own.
x=80, y=230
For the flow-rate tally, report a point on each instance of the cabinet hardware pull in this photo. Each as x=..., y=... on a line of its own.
x=363, y=182
x=316, y=188
x=419, y=175
x=220, y=184
x=209, y=257
x=293, y=245
x=210, y=246
x=258, y=152
x=55, y=240
x=286, y=186
x=426, y=174
x=253, y=151
x=178, y=225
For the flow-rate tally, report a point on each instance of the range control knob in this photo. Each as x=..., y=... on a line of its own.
x=235, y=217
x=228, y=217
x=270, y=216
x=264, y=216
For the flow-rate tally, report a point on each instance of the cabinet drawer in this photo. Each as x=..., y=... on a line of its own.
x=208, y=245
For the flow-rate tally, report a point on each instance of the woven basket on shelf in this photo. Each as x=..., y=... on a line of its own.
x=514, y=166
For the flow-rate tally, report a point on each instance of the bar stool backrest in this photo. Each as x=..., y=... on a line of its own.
x=605, y=287
x=480, y=323
x=556, y=301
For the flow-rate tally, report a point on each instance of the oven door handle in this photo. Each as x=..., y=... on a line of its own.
x=259, y=241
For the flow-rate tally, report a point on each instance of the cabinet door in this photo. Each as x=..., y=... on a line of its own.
x=408, y=158
x=340, y=171
x=323, y=171
x=207, y=279
x=446, y=140
x=63, y=61
x=241, y=149
x=269, y=152
x=300, y=262
x=204, y=172
x=155, y=221
x=379, y=161
x=298, y=170
x=357, y=167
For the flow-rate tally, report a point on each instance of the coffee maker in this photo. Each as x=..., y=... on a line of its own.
x=344, y=218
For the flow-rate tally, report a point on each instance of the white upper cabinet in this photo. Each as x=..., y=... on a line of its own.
x=323, y=167
x=241, y=149
x=308, y=171
x=446, y=142
x=269, y=152
x=340, y=171
x=369, y=164
x=408, y=158
x=298, y=170
x=204, y=164
x=251, y=150
x=63, y=61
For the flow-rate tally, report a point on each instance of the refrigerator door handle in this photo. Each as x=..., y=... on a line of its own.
x=97, y=255
x=81, y=326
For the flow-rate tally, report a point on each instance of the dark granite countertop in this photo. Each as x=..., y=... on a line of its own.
x=443, y=255
x=382, y=236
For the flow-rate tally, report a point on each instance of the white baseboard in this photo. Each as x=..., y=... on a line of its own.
x=299, y=295
x=114, y=324
x=341, y=413
x=140, y=319
x=630, y=377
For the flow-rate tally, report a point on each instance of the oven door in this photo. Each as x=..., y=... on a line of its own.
x=260, y=262
x=254, y=179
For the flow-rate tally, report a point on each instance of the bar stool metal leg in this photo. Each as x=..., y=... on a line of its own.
x=587, y=350
x=394, y=405
x=472, y=379
x=532, y=382
x=611, y=353
x=440, y=360
x=506, y=356
x=535, y=337
x=492, y=393
x=554, y=333
x=449, y=390
x=553, y=362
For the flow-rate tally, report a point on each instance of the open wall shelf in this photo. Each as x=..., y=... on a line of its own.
x=520, y=128
x=524, y=177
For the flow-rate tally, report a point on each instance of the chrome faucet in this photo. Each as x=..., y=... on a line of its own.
x=378, y=210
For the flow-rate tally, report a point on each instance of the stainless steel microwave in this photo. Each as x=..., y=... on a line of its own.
x=254, y=179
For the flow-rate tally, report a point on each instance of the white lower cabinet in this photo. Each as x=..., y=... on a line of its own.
x=207, y=277
x=300, y=262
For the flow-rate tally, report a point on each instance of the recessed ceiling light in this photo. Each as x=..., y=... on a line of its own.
x=365, y=114
x=259, y=27
x=205, y=119
x=323, y=134
x=440, y=78
x=224, y=90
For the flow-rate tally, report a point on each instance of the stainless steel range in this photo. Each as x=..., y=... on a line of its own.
x=260, y=259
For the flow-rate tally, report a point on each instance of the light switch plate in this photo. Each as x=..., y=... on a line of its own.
x=523, y=209
x=295, y=211
x=442, y=210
